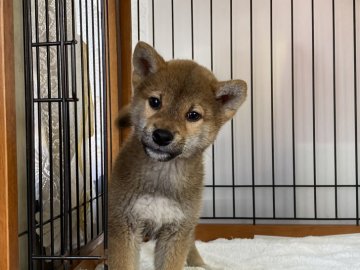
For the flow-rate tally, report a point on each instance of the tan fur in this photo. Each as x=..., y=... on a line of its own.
x=155, y=190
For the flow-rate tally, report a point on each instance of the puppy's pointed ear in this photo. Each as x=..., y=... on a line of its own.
x=146, y=61
x=231, y=94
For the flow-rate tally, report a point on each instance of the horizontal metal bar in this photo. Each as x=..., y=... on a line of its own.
x=54, y=43
x=72, y=257
x=58, y=216
x=55, y=99
x=23, y=233
x=279, y=218
x=270, y=186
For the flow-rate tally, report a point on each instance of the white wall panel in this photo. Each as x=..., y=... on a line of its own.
x=300, y=88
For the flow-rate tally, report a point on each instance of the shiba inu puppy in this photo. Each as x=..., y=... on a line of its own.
x=155, y=191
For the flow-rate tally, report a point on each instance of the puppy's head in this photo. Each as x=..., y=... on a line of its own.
x=178, y=106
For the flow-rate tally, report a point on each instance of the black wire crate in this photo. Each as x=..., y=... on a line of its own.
x=290, y=154
x=65, y=63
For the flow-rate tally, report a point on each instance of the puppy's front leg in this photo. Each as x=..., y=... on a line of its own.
x=171, y=250
x=124, y=248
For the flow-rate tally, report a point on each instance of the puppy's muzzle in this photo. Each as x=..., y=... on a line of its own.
x=162, y=137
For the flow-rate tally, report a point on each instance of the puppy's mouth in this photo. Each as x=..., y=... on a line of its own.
x=158, y=154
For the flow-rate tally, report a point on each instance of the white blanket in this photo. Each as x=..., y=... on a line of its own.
x=274, y=253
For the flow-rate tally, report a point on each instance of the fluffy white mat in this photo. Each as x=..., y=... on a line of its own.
x=340, y=252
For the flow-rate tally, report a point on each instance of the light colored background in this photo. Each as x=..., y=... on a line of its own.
x=282, y=98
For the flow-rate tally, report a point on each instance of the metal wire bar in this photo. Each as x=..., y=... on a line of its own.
x=95, y=120
x=355, y=114
x=138, y=17
x=107, y=85
x=293, y=105
x=69, y=69
x=192, y=27
x=212, y=68
x=334, y=103
x=313, y=100
x=83, y=120
x=52, y=43
x=50, y=136
x=258, y=218
x=60, y=215
x=172, y=30
x=58, y=55
x=30, y=149
x=153, y=22
x=75, y=94
x=40, y=47
x=64, y=258
x=89, y=117
x=101, y=89
x=56, y=100
x=272, y=109
x=232, y=121
x=252, y=113
x=66, y=134
x=279, y=185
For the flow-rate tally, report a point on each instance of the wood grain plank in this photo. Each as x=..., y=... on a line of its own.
x=125, y=56
x=8, y=175
x=113, y=72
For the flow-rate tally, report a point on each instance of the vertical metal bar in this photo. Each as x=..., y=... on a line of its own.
x=355, y=114
x=138, y=17
x=272, y=109
x=65, y=114
x=30, y=147
x=50, y=137
x=92, y=90
x=89, y=118
x=67, y=146
x=107, y=88
x=58, y=56
x=334, y=105
x=232, y=121
x=252, y=112
x=101, y=89
x=313, y=102
x=41, y=229
x=212, y=68
x=293, y=105
x=95, y=120
x=83, y=119
x=105, y=28
x=75, y=94
x=153, y=22
x=192, y=29
x=172, y=29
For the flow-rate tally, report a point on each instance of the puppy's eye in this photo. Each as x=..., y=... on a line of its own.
x=193, y=116
x=155, y=103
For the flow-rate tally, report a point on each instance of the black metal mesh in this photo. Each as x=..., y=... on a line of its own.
x=248, y=191
x=65, y=63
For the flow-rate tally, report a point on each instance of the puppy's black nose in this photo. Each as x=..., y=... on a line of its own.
x=162, y=137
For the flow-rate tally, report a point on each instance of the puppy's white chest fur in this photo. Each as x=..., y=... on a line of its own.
x=157, y=209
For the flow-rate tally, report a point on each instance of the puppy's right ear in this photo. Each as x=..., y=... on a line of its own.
x=146, y=61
